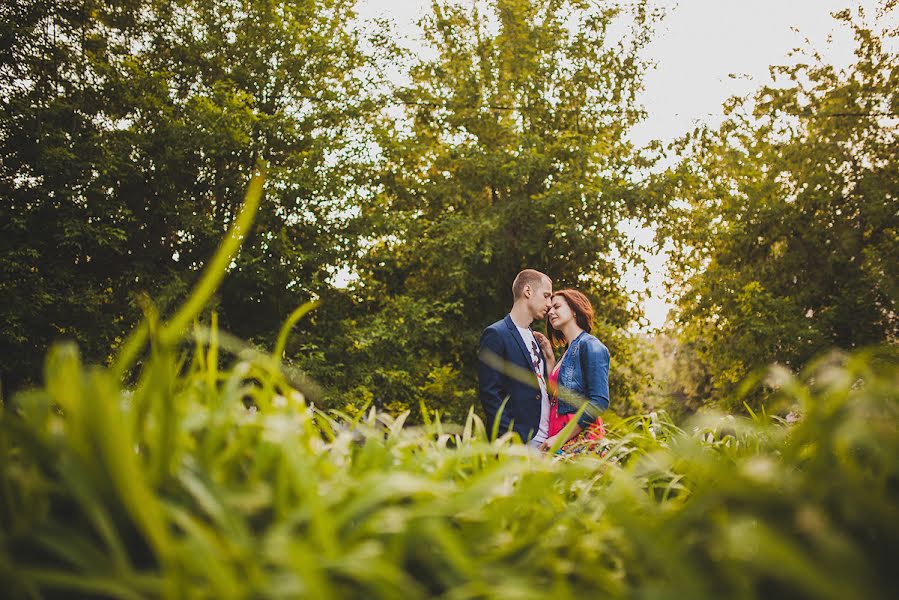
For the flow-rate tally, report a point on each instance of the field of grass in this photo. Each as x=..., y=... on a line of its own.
x=195, y=480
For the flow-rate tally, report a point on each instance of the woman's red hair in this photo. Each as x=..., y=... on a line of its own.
x=583, y=315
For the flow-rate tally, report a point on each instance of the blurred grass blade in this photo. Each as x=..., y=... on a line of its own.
x=295, y=316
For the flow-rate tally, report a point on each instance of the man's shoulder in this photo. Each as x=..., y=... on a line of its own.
x=499, y=326
x=495, y=334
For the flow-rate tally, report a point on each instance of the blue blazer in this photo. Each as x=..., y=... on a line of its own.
x=522, y=410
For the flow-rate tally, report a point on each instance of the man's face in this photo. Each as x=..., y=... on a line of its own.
x=541, y=299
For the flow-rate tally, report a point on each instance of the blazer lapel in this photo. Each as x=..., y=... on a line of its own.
x=545, y=367
x=524, y=351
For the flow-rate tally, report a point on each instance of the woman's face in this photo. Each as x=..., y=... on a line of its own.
x=560, y=314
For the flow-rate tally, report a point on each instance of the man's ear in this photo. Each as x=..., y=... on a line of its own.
x=526, y=292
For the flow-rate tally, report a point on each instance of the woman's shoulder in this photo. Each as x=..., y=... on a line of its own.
x=592, y=343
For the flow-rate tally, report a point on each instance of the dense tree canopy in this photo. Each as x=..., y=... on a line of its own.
x=510, y=153
x=128, y=134
x=129, y=129
x=784, y=220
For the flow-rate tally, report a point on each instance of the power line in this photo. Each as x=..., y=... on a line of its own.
x=458, y=106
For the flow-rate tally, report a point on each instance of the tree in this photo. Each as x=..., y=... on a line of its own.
x=510, y=153
x=128, y=133
x=784, y=219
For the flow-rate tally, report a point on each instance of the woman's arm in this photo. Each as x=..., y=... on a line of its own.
x=547, y=350
x=548, y=443
x=595, y=365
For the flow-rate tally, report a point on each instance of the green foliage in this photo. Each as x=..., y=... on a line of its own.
x=677, y=382
x=127, y=134
x=783, y=221
x=216, y=482
x=511, y=152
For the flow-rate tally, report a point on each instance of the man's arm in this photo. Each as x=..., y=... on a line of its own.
x=491, y=391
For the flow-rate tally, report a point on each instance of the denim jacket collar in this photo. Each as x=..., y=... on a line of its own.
x=579, y=336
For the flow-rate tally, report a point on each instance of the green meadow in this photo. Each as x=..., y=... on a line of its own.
x=206, y=472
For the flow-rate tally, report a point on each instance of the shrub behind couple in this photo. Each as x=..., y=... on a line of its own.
x=531, y=405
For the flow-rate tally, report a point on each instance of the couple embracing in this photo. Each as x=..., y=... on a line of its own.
x=536, y=405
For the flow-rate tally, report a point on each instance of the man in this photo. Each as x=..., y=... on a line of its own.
x=512, y=342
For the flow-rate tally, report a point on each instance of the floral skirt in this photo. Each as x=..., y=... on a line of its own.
x=585, y=441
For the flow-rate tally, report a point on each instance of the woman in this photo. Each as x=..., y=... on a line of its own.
x=583, y=370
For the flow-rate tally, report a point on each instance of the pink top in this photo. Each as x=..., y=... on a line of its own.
x=557, y=422
x=554, y=381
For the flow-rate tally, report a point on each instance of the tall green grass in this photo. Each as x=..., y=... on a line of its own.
x=196, y=481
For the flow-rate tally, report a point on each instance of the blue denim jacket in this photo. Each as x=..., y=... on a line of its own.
x=585, y=371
